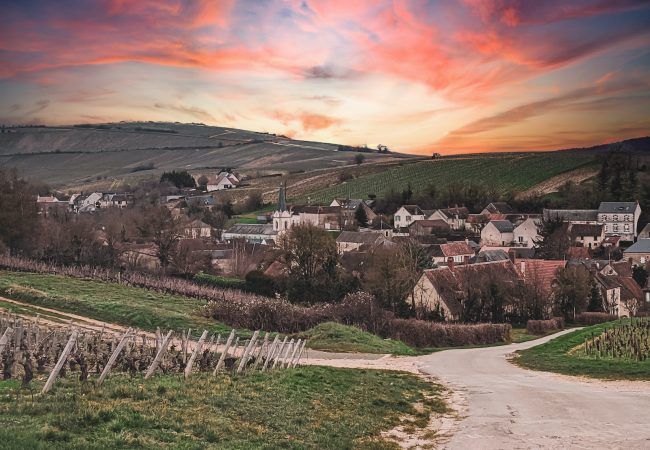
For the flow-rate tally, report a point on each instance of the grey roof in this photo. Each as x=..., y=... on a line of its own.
x=640, y=246
x=645, y=232
x=251, y=228
x=504, y=226
x=492, y=255
x=617, y=207
x=359, y=237
x=571, y=215
x=500, y=208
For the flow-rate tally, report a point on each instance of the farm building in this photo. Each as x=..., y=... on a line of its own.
x=251, y=232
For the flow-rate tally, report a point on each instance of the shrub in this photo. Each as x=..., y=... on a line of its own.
x=421, y=333
x=541, y=327
x=594, y=318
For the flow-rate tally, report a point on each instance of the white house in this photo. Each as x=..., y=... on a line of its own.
x=620, y=219
x=451, y=253
x=498, y=233
x=253, y=233
x=406, y=215
x=526, y=234
x=225, y=180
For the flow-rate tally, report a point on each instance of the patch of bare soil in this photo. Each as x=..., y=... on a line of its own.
x=553, y=184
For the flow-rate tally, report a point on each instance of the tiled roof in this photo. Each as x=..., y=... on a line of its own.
x=455, y=249
x=359, y=237
x=586, y=229
x=500, y=208
x=640, y=246
x=414, y=210
x=578, y=253
x=251, y=228
x=571, y=215
x=504, y=226
x=616, y=207
x=542, y=272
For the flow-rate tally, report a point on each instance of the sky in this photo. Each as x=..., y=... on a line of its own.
x=449, y=76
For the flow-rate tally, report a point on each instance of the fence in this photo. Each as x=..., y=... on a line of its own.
x=28, y=347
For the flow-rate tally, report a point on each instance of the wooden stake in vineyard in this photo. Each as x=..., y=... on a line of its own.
x=64, y=355
x=114, y=356
x=159, y=356
x=197, y=350
x=249, y=347
x=222, y=358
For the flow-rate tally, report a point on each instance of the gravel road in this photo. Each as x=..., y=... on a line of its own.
x=507, y=407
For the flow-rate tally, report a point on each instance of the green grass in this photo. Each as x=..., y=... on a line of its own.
x=335, y=337
x=505, y=172
x=307, y=407
x=109, y=302
x=556, y=356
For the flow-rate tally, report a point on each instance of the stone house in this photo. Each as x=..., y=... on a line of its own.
x=406, y=215
x=451, y=253
x=455, y=217
x=620, y=219
x=638, y=253
x=349, y=241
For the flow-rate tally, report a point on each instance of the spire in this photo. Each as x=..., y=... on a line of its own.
x=282, y=201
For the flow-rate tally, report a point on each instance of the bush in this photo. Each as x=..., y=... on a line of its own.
x=541, y=327
x=259, y=283
x=594, y=318
x=421, y=333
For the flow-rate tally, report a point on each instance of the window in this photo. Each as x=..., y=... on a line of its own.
x=396, y=218
x=521, y=238
x=615, y=228
x=408, y=218
x=615, y=217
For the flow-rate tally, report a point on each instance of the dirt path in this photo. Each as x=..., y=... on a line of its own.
x=553, y=184
x=505, y=406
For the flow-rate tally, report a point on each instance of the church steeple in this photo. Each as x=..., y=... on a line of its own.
x=282, y=201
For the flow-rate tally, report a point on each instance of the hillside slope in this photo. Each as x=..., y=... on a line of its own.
x=72, y=155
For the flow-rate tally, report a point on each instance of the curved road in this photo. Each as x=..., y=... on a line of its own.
x=514, y=408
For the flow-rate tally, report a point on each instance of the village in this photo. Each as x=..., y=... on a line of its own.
x=599, y=254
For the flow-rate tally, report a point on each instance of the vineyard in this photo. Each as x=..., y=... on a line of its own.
x=630, y=341
x=501, y=172
x=30, y=349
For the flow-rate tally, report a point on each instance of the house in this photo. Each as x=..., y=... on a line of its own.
x=350, y=207
x=498, y=208
x=571, y=215
x=638, y=253
x=427, y=227
x=197, y=229
x=526, y=234
x=621, y=295
x=406, y=215
x=443, y=289
x=498, y=232
x=349, y=241
x=48, y=204
x=86, y=203
x=326, y=217
x=251, y=232
x=224, y=180
x=451, y=253
x=587, y=235
x=455, y=217
x=620, y=219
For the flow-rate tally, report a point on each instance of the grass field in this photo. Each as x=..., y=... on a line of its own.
x=504, y=172
x=559, y=355
x=335, y=337
x=110, y=302
x=309, y=407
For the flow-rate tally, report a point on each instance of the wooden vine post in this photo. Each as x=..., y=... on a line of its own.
x=159, y=356
x=249, y=348
x=59, y=364
x=113, y=358
x=222, y=358
x=270, y=353
x=5, y=338
x=197, y=350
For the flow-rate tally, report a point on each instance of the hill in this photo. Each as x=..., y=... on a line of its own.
x=83, y=153
x=509, y=172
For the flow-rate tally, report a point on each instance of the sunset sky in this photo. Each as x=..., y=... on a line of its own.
x=419, y=76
